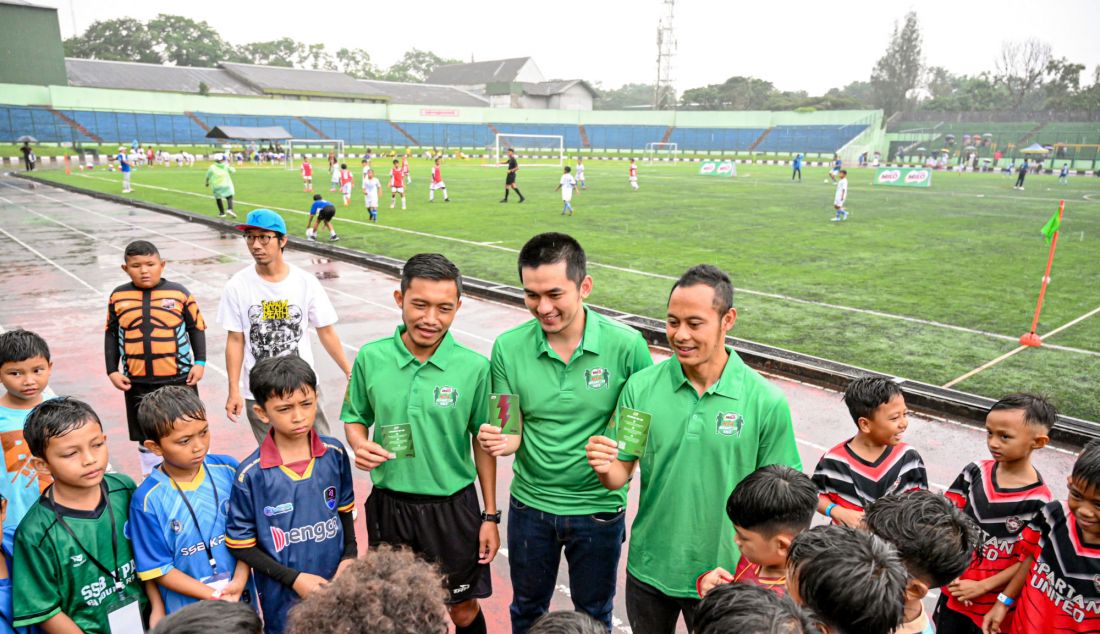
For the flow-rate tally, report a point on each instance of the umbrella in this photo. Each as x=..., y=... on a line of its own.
x=26, y=138
x=1034, y=148
x=988, y=135
x=922, y=149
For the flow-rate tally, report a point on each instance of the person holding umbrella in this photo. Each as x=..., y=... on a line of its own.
x=29, y=158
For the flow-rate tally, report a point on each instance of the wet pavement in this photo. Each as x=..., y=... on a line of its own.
x=60, y=254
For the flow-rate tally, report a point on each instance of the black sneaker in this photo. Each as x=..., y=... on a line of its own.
x=333, y=238
x=504, y=200
x=522, y=199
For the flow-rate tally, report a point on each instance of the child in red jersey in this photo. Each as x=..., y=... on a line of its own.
x=437, y=183
x=768, y=508
x=1057, y=589
x=1002, y=495
x=397, y=184
x=874, y=463
x=347, y=182
x=307, y=175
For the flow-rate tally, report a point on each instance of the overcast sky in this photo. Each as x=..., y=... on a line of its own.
x=797, y=45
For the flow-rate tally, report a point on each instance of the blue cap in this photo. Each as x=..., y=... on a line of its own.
x=264, y=219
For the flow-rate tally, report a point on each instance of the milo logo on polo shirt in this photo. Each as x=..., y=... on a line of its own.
x=596, y=378
x=445, y=396
x=730, y=424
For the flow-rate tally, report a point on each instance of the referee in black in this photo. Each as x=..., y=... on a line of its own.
x=510, y=180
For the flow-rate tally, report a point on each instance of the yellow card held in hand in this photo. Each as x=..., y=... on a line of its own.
x=632, y=431
x=504, y=412
x=398, y=440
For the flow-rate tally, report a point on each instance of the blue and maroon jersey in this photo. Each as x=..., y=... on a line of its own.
x=1002, y=515
x=291, y=512
x=854, y=483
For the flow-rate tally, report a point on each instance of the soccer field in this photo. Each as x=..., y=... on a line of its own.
x=927, y=284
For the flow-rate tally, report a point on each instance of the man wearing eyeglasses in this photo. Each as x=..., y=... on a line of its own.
x=266, y=310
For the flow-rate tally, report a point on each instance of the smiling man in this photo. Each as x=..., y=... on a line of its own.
x=423, y=388
x=713, y=421
x=567, y=366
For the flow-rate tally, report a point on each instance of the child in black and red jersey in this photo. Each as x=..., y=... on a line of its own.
x=1003, y=495
x=874, y=463
x=1057, y=588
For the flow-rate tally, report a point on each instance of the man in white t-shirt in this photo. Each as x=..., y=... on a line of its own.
x=267, y=310
x=841, y=196
x=567, y=185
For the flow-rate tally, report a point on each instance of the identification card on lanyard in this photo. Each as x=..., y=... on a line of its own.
x=217, y=581
x=126, y=618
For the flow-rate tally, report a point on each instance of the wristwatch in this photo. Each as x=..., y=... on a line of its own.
x=493, y=517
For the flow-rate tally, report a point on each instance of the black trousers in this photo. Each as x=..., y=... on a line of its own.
x=651, y=611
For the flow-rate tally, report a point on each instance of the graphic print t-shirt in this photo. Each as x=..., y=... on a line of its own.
x=20, y=483
x=274, y=317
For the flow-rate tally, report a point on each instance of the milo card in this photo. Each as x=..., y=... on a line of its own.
x=504, y=412
x=398, y=440
x=632, y=431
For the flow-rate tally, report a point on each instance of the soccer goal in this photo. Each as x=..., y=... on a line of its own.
x=532, y=150
x=657, y=151
x=313, y=147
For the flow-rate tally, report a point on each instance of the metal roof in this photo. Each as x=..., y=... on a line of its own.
x=94, y=73
x=425, y=94
x=555, y=87
x=281, y=80
x=248, y=133
x=474, y=73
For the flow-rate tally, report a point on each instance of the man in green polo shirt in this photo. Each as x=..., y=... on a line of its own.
x=712, y=421
x=567, y=366
x=426, y=396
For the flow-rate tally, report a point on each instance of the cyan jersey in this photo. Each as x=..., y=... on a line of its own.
x=293, y=518
x=164, y=533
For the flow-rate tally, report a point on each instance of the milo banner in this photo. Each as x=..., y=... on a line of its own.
x=718, y=168
x=903, y=176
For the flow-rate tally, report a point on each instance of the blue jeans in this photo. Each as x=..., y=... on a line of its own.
x=592, y=546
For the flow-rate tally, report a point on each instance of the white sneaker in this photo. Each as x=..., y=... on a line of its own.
x=834, y=219
x=311, y=238
x=231, y=212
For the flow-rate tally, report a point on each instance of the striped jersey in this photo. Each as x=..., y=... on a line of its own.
x=1002, y=515
x=164, y=533
x=292, y=518
x=156, y=332
x=854, y=483
x=1062, y=592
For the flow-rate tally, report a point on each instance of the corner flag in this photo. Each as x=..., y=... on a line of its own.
x=1052, y=226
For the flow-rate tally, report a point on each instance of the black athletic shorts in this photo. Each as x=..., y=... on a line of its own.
x=510, y=179
x=133, y=398
x=327, y=213
x=443, y=530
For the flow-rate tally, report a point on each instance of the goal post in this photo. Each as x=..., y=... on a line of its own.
x=535, y=150
x=661, y=151
x=312, y=146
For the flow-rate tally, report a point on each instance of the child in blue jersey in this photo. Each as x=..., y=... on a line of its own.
x=177, y=515
x=291, y=510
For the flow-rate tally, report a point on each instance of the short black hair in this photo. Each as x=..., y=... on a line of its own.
x=1086, y=469
x=280, y=376
x=511, y=150
x=343, y=166
x=1038, y=411
x=747, y=609
x=317, y=197
x=568, y=169
x=395, y=161
x=933, y=537
x=19, y=345
x=202, y=617
x=772, y=499
x=159, y=410
x=567, y=622
x=844, y=172
x=430, y=266
x=140, y=247
x=551, y=248
x=865, y=394
x=712, y=276
x=55, y=417
x=851, y=580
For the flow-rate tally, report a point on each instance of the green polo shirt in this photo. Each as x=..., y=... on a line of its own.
x=699, y=448
x=562, y=405
x=444, y=400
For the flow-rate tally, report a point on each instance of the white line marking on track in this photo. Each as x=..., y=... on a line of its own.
x=52, y=263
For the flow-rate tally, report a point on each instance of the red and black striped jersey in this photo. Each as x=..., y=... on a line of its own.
x=1002, y=515
x=852, y=482
x=1062, y=593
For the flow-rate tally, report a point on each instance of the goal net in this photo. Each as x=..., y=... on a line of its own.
x=533, y=150
x=656, y=152
x=296, y=148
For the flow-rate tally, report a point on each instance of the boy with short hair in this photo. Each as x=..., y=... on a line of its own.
x=768, y=508
x=371, y=188
x=333, y=172
x=633, y=174
x=747, y=609
x=397, y=185
x=873, y=463
x=1055, y=589
x=437, y=183
x=325, y=212
x=851, y=580
x=1002, y=495
x=205, y=616
x=841, y=197
x=405, y=166
x=155, y=330
x=581, y=184
x=177, y=513
x=307, y=175
x=1063, y=176
x=74, y=567
x=347, y=182
x=25, y=372
x=935, y=541
x=566, y=185
x=290, y=513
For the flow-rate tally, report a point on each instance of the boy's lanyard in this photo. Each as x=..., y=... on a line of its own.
x=119, y=585
x=207, y=543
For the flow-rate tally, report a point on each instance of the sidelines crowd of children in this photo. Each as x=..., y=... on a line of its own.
x=88, y=550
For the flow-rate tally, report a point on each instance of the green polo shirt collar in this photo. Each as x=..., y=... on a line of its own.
x=729, y=384
x=439, y=358
x=590, y=340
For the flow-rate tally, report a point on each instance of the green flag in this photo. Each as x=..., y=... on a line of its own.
x=1051, y=227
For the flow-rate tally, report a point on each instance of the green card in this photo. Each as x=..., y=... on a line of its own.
x=632, y=431
x=504, y=412
x=398, y=440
